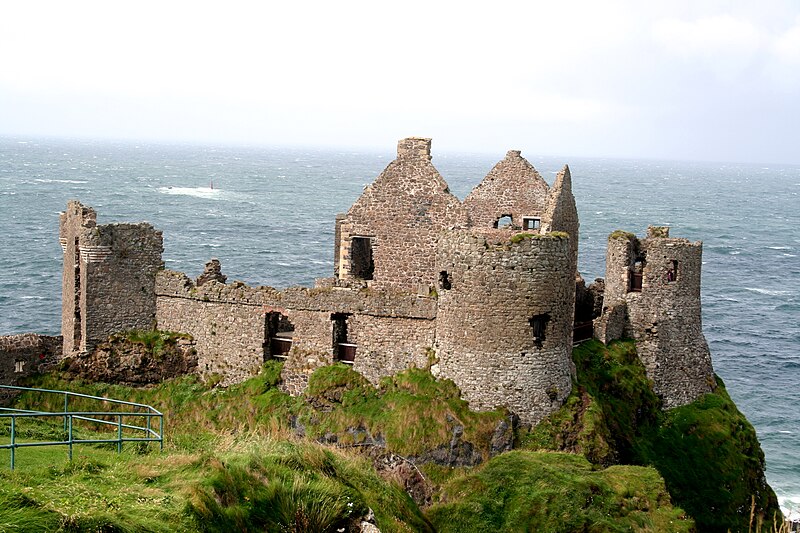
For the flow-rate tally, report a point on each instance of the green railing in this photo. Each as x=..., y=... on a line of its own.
x=123, y=422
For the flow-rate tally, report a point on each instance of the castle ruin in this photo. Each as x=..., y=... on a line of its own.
x=481, y=291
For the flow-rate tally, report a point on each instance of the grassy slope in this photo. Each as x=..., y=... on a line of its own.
x=706, y=452
x=546, y=491
x=252, y=484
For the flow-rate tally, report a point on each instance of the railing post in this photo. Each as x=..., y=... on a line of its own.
x=70, y=438
x=13, y=438
x=161, y=432
x=66, y=399
x=119, y=433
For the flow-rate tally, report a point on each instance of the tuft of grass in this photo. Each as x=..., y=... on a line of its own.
x=620, y=234
x=152, y=339
x=538, y=491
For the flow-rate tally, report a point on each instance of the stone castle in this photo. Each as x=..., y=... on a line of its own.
x=485, y=292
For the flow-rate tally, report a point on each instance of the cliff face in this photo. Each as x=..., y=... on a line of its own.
x=706, y=451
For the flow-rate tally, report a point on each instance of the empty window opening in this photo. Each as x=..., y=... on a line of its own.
x=672, y=271
x=78, y=319
x=635, y=276
x=343, y=349
x=19, y=366
x=531, y=223
x=505, y=221
x=444, y=280
x=278, y=333
x=362, y=265
x=538, y=328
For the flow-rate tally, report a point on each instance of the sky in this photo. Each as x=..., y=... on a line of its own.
x=682, y=80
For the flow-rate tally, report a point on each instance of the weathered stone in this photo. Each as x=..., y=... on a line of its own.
x=652, y=293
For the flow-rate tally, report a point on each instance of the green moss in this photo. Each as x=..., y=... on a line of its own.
x=707, y=452
x=535, y=491
x=153, y=339
x=620, y=234
x=712, y=462
x=521, y=237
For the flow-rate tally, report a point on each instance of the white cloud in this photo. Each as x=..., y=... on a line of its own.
x=724, y=44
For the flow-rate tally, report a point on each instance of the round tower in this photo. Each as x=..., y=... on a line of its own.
x=504, y=320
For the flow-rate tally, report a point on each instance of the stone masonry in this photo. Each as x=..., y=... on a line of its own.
x=23, y=355
x=420, y=279
x=652, y=294
x=504, y=326
x=396, y=223
x=109, y=278
x=513, y=188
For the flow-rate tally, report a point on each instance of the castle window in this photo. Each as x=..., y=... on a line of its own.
x=19, y=366
x=343, y=350
x=362, y=265
x=278, y=335
x=444, y=280
x=504, y=221
x=530, y=223
x=538, y=328
x=672, y=272
x=635, y=277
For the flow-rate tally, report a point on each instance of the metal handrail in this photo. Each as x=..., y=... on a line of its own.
x=151, y=435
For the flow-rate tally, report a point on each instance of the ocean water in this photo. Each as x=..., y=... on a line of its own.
x=269, y=219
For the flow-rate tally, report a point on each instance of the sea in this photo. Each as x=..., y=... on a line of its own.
x=268, y=214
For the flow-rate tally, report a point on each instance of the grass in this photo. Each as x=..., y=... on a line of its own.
x=154, y=340
x=543, y=492
x=707, y=452
x=233, y=460
x=246, y=484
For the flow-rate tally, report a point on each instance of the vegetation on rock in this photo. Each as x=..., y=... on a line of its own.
x=243, y=458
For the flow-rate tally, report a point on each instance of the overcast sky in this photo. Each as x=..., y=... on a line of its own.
x=708, y=80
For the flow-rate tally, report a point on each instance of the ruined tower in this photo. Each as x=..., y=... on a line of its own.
x=108, y=277
x=504, y=322
x=652, y=294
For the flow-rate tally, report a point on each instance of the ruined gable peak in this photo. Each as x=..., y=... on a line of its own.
x=563, y=180
x=414, y=148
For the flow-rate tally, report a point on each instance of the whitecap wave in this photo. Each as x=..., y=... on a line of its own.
x=197, y=192
x=779, y=247
x=768, y=292
x=45, y=180
x=790, y=505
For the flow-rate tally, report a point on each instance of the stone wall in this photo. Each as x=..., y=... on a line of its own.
x=512, y=188
x=23, y=355
x=229, y=324
x=108, y=277
x=72, y=224
x=504, y=327
x=120, y=262
x=665, y=316
x=389, y=345
x=402, y=214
